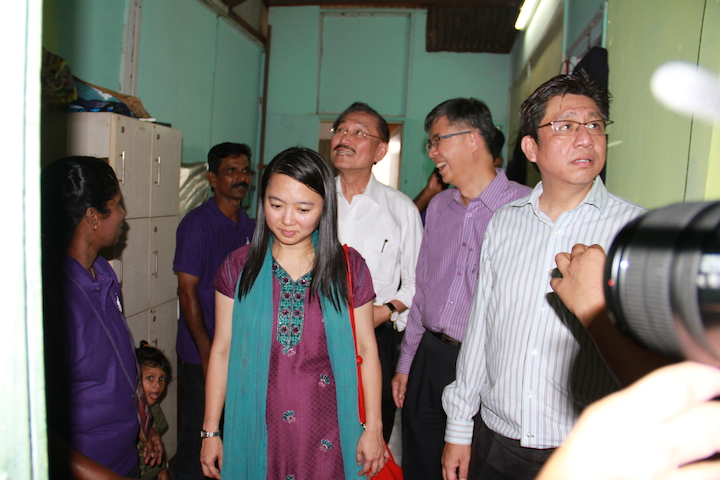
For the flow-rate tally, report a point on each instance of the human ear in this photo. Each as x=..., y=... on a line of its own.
x=381, y=151
x=211, y=178
x=529, y=147
x=91, y=215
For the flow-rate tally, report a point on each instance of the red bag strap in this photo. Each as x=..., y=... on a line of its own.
x=358, y=358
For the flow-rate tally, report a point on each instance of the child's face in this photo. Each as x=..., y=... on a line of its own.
x=153, y=382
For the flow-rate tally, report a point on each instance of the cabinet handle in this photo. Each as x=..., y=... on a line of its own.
x=122, y=167
x=158, y=160
x=155, y=272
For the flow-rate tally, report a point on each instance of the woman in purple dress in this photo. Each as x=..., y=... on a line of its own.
x=283, y=362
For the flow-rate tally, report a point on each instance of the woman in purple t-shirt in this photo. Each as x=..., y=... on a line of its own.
x=91, y=369
x=282, y=362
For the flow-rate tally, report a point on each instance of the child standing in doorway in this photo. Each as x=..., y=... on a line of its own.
x=155, y=369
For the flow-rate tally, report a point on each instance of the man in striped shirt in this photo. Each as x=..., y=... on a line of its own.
x=461, y=133
x=526, y=359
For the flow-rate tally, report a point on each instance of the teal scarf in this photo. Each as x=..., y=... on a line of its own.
x=245, y=436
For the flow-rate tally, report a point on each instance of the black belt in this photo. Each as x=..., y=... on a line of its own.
x=446, y=339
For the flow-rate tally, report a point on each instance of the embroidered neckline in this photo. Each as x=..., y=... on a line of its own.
x=291, y=308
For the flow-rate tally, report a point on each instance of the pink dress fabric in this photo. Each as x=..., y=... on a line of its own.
x=301, y=410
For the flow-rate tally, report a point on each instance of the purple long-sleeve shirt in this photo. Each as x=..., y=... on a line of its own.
x=447, y=269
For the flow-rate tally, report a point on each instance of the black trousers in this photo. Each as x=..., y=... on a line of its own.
x=192, y=412
x=388, y=350
x=495, y=457
x=423, y=417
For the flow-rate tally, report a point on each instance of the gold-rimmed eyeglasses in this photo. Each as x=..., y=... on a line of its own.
x=356, y=133
x=571, y=127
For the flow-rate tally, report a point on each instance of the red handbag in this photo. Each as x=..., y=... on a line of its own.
x=391, y=470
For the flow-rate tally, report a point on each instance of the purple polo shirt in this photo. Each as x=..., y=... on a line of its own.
x=204, y=238
x=447, y=270
x=93, y=399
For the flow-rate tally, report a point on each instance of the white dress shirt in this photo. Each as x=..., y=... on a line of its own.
x=525, y=358
x=384, y=225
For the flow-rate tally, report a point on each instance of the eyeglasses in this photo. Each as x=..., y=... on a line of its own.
x=436, y=139
x=356, y=133
x=571, y=127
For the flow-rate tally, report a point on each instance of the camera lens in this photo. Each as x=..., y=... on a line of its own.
x=662, y=281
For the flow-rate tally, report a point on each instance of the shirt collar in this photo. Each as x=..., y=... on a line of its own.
x=491, y=197
x=597, y=197
x=371, y=191
x=223, y=218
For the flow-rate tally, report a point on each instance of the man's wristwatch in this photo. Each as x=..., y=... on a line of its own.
x=394, y=314
x=204, y=434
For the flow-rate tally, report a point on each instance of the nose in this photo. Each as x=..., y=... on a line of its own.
x=583, y=136
x=287, y=217
x=432, y=153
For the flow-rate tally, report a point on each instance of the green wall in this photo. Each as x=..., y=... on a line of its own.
x=88, y=34
x=658, y=157
x=390, y=70
x=195, y=70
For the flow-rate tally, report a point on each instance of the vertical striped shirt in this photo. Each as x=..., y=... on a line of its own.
x=525, y=358
x=447, y=269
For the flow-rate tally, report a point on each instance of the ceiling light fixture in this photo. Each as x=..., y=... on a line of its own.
x=526, y=13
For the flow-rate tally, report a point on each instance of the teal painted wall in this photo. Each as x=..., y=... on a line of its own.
x=88, y=35
x=292, y=118
x=381, y=43
x=195, y=70
x=199, y=74
x=403, y=95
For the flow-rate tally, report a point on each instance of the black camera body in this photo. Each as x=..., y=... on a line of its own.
x=662, y=281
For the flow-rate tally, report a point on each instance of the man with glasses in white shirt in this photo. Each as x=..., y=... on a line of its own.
x=382, y=224
x=527, y=363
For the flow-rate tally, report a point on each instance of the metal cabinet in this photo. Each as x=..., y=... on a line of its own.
x=146, y=159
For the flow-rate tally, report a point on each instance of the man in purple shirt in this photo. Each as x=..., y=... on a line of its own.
x=204, y=238
x=461, y=133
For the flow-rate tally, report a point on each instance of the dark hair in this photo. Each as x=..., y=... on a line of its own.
x=70, y=186
x=225, y=150
x=497, y=144
x=382, y=125
x=532, y=110
x=329, y=273
x=152, y=357
x=467, y=112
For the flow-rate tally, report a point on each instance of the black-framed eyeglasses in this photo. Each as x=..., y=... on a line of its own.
x=571, y=127
x=356, y=133
x=433, y=143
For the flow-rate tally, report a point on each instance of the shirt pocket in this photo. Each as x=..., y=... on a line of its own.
x=381, y=255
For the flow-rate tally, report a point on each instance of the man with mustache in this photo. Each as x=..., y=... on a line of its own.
x=462, y=135
x=382, y=224
x=204, y=238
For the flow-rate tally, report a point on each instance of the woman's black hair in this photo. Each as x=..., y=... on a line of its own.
x=330, y=272
x=152, y=357
x=70, y=186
